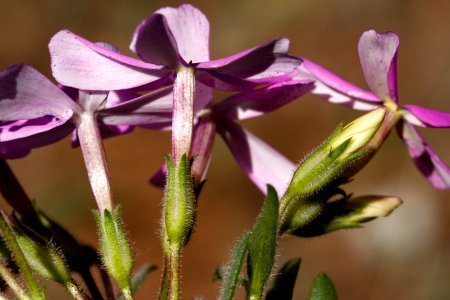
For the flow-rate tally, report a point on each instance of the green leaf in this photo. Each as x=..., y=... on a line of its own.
x=262, y=245
x=283, y=284
x=322, y=288
x=233, y=269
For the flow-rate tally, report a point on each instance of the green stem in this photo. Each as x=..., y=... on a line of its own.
x=174, y=269
x=35, y=291
x=165, y=285
x=13, y=284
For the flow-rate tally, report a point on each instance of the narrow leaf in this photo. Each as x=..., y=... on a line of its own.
x=322, y=288
x=262, y=245
x=283, y=284
x=233, y=269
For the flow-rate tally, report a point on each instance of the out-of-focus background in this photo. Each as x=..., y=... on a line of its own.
x=404, y=256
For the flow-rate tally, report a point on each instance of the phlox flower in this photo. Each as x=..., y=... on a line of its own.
x=378, y=57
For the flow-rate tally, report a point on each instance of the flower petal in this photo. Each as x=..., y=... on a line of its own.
x=27, y=94
x=261, y=101
x=18, y=137
x=153, y=42
x=263, y=164
x=268, y=63
x=76, y=62
x=335, y=89
x=378, y=57
x=425, y=117
x=431, y=166
x=190, y=28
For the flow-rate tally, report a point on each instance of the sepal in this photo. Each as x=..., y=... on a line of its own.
x=115, y=248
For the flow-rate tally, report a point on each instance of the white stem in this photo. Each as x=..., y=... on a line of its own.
x=95, y=160
x=183, y=112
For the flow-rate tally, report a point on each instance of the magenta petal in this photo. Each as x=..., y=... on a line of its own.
x=431, y=166
x=154, y=42
x=190, y=28
x=428, y=117
x=264, y=64
x=21, y=136
x=261, y=101
x=378, y=57
x=263, y=164
x=27, y=94
x=336, y=89
x=76, y=62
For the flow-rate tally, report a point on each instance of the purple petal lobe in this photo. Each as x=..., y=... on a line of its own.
x=27, y=94
x=336, y=89
x=265, y=64
x=429, y=164
x=378, y=57
x=76, y=62
x=190, y=29
x=18, y=137
x=261, y=101
x=427, y=117
x=153, y=42
x=261, y=163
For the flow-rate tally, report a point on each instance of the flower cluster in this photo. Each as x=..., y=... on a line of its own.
x=107, y=85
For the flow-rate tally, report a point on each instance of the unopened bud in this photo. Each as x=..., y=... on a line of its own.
x=115, y=247
x=318, y=177
x=44, y=259
x=349, y=213
x=179, y=201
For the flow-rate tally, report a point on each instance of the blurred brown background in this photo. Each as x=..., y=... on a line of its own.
x=405, y=256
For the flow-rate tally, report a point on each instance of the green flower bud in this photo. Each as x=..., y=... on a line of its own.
x=318, y=177
x=44, y=259
x=349, y=213
x=115, y=248
x=179, y=200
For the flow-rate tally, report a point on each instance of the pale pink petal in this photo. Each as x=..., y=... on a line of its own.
x=79, y=63
x=258, y=102
x=190, y=29
x=27, y=94
x=378, y=57
x=262, y=164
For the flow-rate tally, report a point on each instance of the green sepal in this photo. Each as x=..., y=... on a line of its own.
x=138, y=278
x=322, y=288
x=262, y=245
x=44, y=259
x=284, y=282
x=179, y=201
x=115, y=248
x=231, y=273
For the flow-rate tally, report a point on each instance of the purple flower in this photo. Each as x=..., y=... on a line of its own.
x=378, y=57
x=173, y=44
x=166, y=40
x=261, y=163
x=35, y=112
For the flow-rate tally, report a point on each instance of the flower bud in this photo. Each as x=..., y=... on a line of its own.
x=44, y=259
x=349, y=213
x=115, y=248
x=179, y=200
x=318, y=177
